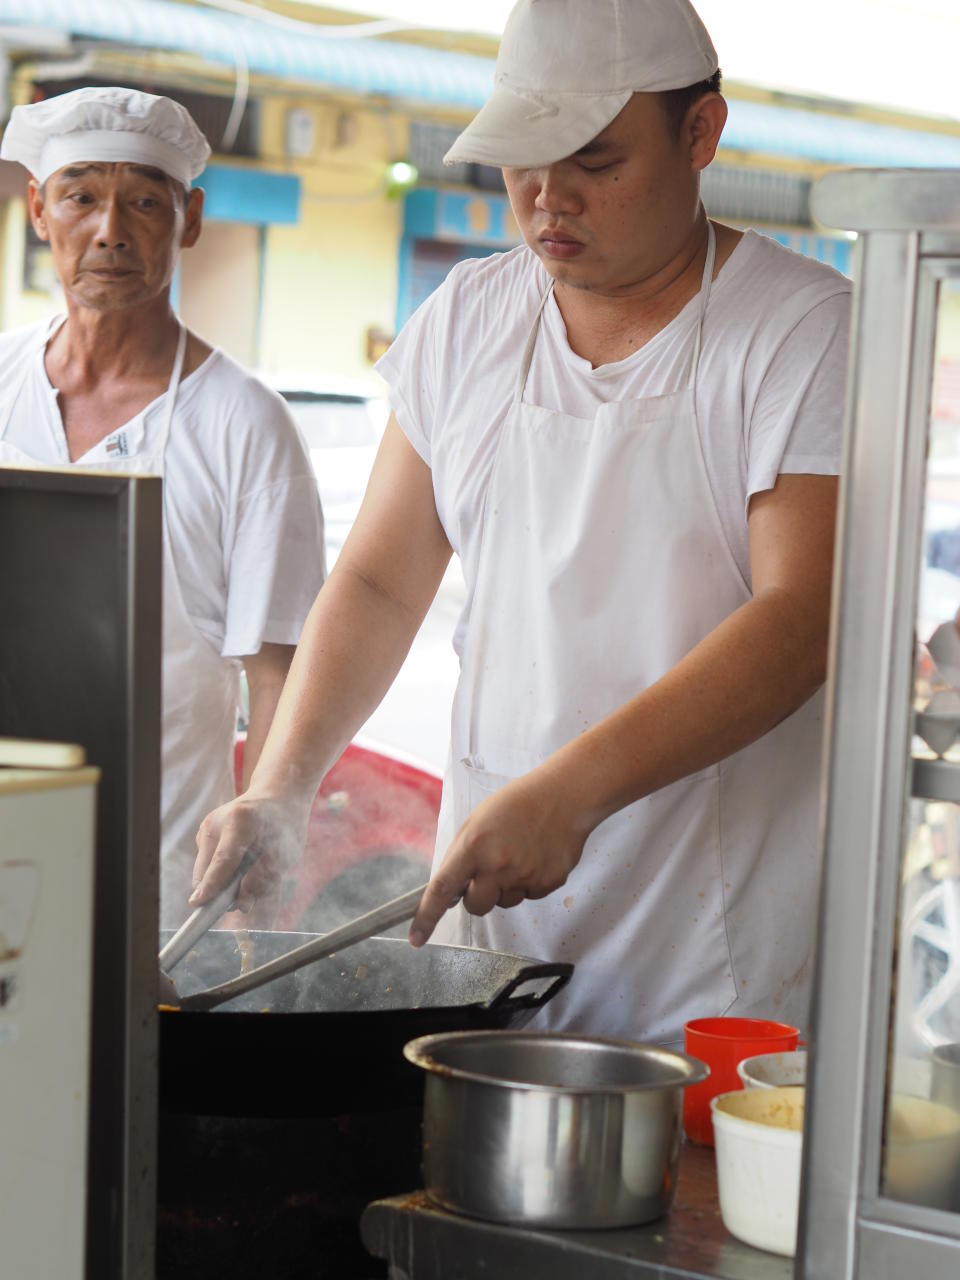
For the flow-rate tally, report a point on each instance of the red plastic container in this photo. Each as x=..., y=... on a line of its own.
x=723, y=1043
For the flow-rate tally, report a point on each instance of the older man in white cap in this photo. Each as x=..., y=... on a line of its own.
x=629, y=431
x=119, y=383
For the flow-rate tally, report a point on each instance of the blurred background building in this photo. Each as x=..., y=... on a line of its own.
x=329, y=214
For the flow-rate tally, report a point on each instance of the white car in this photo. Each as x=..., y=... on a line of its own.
x=342, y=425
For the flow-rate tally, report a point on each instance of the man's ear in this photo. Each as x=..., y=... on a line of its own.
x=35, y=208
x=703, y=127
x=193, y=218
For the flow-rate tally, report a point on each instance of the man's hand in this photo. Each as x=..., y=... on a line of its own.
x=274, y=826
x=522, y=842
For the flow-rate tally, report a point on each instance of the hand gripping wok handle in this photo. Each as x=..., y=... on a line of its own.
x=205, y=917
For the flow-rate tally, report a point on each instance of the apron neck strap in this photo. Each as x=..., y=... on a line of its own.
x=170, y=399
x=703, y=298
x=527, y=358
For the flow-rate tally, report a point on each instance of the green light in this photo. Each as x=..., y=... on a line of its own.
x=401, y=176
x=402, y=173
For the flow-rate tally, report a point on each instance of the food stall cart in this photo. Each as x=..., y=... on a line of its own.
x=80, y=596
x=880, y=1197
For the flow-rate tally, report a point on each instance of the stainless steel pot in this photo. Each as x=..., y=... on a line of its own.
x=945, y=1085
x=551, y=1130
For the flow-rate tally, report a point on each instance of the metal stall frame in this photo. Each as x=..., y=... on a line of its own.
x=908, y=223
x=100, y=686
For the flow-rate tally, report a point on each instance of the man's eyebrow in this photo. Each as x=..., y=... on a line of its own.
x=596, y=146
x=81, y=170
x=148, y=171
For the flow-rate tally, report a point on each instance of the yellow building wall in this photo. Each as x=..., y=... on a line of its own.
x=19, y=306
x=333, y=277
x=219, y=281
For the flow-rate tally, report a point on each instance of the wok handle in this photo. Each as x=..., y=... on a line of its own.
x=561, y=973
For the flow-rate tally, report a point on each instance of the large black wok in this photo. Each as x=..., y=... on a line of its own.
x=330, y=1037
x=278, y=1127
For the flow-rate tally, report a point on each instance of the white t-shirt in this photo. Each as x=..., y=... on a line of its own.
x=240, y=497
x=769, y=395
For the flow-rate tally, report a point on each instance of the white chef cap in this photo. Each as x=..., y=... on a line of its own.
x=113, y=125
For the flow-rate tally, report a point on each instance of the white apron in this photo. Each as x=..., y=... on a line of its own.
x=200, y=688
x=602, y=564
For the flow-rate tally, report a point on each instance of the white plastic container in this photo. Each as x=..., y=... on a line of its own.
x=774, y=1070
x=923, y=1153
x=759, y=1141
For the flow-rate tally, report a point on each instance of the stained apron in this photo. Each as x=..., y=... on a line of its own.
x=602, y=564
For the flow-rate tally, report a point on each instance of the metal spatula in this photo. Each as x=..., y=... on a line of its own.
x=394, y=912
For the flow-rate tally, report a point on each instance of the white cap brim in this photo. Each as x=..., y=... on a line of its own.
x=520, y=131
x=113, y=146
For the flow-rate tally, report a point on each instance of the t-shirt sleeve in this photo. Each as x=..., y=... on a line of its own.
x=409, y=368
x=274, y=559
x=795, y=425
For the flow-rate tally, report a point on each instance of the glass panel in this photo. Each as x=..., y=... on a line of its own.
x=922, y=1135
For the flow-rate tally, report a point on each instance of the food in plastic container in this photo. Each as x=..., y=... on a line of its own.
x=758, y=1134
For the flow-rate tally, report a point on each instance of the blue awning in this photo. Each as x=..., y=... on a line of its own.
x=408, y=72
x=834, y=139
x=416, y=74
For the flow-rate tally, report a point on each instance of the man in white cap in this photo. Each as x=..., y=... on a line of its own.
x=629, y=431
x=119, y=383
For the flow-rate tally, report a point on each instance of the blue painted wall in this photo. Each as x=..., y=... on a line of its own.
x=250, y=195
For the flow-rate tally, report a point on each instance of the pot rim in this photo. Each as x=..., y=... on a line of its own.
x=948, y=1055
x=689, y=1070
x=747, y=1068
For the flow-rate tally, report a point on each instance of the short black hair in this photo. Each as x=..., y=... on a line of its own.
x=677, y=102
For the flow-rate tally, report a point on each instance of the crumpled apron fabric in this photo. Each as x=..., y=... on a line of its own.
x=602, y=564
x=200, y=688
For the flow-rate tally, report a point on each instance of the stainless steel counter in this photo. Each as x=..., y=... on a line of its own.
x=421, y=1242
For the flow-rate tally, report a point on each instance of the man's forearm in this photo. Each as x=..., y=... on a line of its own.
x=751, y=672
x=266, y=672
x=353, y=644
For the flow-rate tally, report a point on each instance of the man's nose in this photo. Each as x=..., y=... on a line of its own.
x=111, y=231
x=556, y=194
